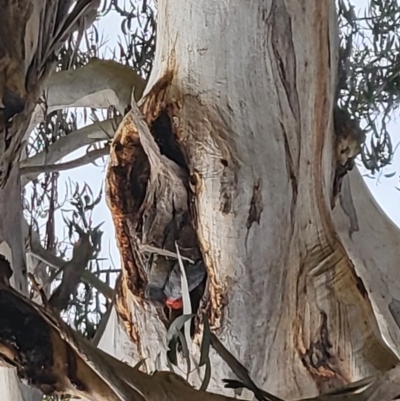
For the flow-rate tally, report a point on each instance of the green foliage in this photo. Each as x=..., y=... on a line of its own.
x=369, y=68
x=138, y=25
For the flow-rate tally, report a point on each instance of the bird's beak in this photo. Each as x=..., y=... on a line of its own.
x=174, y=304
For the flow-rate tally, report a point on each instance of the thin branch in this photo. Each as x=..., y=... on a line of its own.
x=162, y=252
x=92, y=133
x=89, y=157
x=56, y=262
x=72, y=273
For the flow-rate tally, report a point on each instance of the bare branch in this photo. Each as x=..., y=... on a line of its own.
x=89, y=157
x=72, y=273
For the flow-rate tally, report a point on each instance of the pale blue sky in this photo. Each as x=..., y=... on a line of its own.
x=384, y=189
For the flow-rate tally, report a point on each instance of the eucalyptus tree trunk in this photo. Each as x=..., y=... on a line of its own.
x=249, y=91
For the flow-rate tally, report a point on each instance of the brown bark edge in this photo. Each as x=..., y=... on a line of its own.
x=55, y=359
x=150, y=194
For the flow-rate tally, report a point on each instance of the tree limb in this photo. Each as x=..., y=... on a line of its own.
x=92, y=133
x=55, y=358
x=89, y=157
x=72, y=273
x=99, y=84
x=374, y=251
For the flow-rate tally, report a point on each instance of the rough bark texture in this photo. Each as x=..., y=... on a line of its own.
x=52, y=357
x=246, y=90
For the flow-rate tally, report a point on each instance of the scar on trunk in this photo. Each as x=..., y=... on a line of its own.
x=361, y=286
x=320, y=360
x=151, y=201
x=256, y=206
x=394, y=308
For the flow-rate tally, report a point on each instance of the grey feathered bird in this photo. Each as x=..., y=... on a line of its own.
x=164, y=287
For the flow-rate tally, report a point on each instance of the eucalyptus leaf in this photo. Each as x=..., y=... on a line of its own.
x=207, y=376
x=187, y=307
x=176, y=326
x=205, y=342
x=185, y=351
x=171, y=352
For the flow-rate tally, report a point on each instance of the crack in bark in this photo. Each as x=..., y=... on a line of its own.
x=283, y=48
x=284, y=52
x=225, y=197
x=360, y=285
x=161, y=129
x=292, y=174
x=256, y=206
x=394, y=308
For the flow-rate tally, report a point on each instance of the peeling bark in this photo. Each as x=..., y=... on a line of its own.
x=55, y=359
